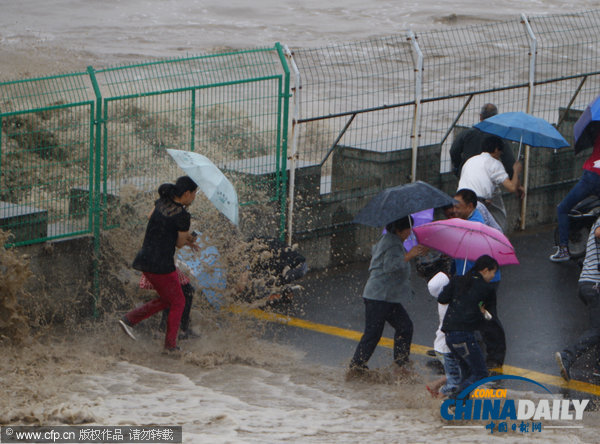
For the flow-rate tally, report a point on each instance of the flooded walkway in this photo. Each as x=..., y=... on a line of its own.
x=537, y=304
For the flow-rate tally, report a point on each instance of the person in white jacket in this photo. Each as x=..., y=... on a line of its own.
x=447, y=384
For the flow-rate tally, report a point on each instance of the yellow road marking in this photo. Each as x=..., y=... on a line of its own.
x=542, y=378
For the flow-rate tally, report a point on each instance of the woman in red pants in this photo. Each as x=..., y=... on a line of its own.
x=168, y=228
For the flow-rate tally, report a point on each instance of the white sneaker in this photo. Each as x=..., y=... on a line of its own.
x=126, y=329
x=561, y=255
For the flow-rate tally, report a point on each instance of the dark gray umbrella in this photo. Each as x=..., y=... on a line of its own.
x=397, y=202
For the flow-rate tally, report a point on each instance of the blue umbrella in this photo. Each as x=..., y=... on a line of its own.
x=523, y=128
x=587, y=127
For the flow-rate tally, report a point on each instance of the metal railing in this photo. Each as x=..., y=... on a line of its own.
x=365, y=103
x=70, y=143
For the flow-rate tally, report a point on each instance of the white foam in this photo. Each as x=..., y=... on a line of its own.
x=236, y=403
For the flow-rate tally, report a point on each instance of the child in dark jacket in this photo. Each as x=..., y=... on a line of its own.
x=467, y=296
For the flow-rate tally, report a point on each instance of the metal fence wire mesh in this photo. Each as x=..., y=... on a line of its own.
x=71, y=144
x=367, y=84
x=362, y=116
x=363, y=119
x=45, y=150
x=567, y=75
x=226, y=107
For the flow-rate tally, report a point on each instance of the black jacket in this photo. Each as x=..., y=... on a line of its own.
x=468, y=144
x=464, y=293
x=158, y=250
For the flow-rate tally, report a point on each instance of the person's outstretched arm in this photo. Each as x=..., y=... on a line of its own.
x=514, y=185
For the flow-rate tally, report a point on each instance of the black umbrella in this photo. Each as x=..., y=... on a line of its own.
x=397, y=202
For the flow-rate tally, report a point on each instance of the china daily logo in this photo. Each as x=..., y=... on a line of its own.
x=502, y=415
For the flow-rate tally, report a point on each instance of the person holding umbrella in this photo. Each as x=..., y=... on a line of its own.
x=492, y=333
x=388, y=284
x=484, y=174
x=168, y=228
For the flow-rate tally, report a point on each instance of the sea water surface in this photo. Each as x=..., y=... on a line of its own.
x=71, y=33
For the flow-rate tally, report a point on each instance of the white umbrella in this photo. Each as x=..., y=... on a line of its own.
x=213, y=183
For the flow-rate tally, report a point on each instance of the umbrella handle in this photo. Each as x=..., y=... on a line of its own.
x=520, y=144
x=465, y=262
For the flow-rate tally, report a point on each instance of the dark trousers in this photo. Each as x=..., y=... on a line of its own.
x=465, y=347
x=589, y=293
x=377, y=313
x=588, y=184
x=188, y=293
x=492, y=333
x=494, y=339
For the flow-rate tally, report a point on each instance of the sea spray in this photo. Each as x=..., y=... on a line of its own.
x=14, y=273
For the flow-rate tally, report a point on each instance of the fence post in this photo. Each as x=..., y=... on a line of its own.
x=1, y=140
x=285, y=97
x=95, y=202
x=530, y=97
x=418, y=95
x=294, y=154
x=193, y=120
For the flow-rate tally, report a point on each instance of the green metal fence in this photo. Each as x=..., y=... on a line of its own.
x=71, y=144
x=46, y=149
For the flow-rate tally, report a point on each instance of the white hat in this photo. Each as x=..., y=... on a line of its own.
x=437, y=283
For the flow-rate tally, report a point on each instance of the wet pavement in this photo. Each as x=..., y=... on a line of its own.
x=537, y=304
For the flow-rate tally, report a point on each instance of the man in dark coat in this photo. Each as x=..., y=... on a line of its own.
x=468, y=144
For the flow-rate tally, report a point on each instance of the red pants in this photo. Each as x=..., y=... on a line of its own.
x=170, y=296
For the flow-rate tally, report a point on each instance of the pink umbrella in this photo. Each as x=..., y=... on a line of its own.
x=465, y=239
